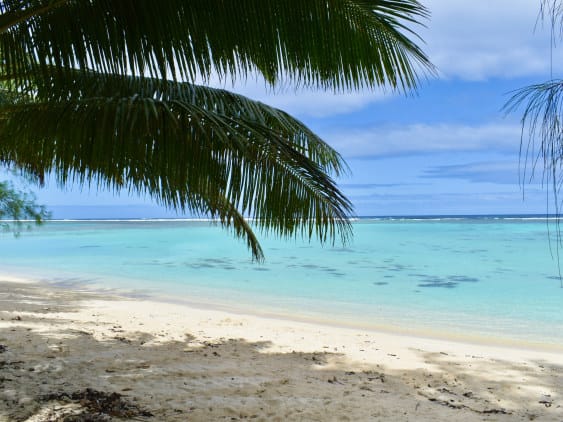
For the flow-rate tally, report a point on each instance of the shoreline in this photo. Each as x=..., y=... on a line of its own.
x=207, y=364
x=315, y=319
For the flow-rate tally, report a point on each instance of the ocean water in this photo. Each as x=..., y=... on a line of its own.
x=490, y=279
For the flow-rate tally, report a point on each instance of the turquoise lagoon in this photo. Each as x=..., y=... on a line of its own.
x=485, y=278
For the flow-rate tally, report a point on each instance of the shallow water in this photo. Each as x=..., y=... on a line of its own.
x=487, y=278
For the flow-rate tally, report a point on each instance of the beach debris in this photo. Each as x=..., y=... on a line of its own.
x=99, y=404
x=81, y=332
x=546, y=400
x=14, y=364
x=143, y=366
x=500, y=411
x=453, y=404
x=373, y=375
x=3, y=348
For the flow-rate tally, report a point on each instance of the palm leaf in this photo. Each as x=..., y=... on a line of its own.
x=337, y=44
x=103, y=92
x=542, y=125
x=543, y=119
x=193, y=148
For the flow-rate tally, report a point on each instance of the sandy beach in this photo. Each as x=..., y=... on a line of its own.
x=75, y=355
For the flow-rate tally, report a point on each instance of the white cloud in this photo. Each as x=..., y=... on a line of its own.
x=303, y=102
x=499, y=172
x=323, y=104
x=479, y=40
x=444, y=202
x=425, y=139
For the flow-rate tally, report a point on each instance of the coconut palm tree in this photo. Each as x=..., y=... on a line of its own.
x=105, y=92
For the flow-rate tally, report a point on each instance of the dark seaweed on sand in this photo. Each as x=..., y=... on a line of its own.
x=99, y=405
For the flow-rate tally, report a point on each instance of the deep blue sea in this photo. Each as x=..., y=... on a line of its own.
x=486, y=278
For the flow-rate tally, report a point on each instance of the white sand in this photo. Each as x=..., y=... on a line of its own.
x=185, y=363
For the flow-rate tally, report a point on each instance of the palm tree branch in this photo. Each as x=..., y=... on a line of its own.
x=542, y=116
x=341, y=44
x=178, y=151
x=14, y=13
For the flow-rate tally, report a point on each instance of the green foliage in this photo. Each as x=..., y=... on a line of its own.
x=542, y=104
x=541, y=148
x=104, y=92
x=542, y=127
x=18, y=209
x=333, y=44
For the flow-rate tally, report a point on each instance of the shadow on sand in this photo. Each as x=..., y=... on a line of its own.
x=52, y=371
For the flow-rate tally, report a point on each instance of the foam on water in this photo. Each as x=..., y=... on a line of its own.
x=486, y=277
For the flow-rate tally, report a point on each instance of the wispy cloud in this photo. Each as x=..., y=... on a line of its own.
x=303, y=102
x=501, y=172
x=510, y=201
x=424, y=139
x=310, y=103
x=375, y=185
x=487, y=39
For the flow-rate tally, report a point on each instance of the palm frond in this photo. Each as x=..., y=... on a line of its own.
x=542, y=126
x=193, y=148
x=103, y=92
x=551, y=10
x=17, y=12
x=337, y=44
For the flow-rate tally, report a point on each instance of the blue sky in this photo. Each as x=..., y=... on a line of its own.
x=448, y=149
